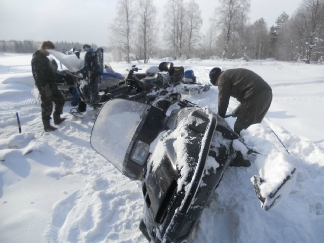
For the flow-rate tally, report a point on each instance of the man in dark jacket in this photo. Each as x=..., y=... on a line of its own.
x=45, y=81
x=253, y=93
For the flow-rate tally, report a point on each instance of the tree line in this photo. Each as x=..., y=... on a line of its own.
x=29, y=46
x=135, y=32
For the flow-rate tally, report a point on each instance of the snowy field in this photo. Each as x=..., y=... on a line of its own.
x=55, y=188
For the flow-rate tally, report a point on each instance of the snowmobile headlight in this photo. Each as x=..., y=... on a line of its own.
x=140, y=152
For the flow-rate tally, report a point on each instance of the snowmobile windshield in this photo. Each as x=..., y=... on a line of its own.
x=115, y=127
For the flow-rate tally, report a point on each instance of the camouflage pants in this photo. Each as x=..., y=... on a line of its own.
x=47, y=104
x=253, y=111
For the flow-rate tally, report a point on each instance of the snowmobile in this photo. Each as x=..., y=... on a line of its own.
x=179, y=159
x=97, y=83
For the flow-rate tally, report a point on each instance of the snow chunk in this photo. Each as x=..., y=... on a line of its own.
x=72, y=62
x=276, y=167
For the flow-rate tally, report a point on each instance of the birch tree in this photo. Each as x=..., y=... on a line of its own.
x=174, y=26
x=260, y=39
x=230, y=16
x=308, y=25
x=122, y=28
x=209, y=41
x=146, y=34
x=193, y=22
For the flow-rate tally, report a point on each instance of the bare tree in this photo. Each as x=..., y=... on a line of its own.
x=208, y=44
x=231, y=15
x=122, y=28
x=174, y=26
x=258, y=40
x=308, y=26
x=193, y=22
x=146, y=34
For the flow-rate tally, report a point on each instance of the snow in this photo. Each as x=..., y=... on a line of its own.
x=71, y=62
x=54, y=187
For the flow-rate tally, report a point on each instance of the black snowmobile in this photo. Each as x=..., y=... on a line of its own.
x=179, y=158
x=95, y=86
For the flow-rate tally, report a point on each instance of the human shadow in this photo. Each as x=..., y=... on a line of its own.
x=279, y=115
x=17, y=164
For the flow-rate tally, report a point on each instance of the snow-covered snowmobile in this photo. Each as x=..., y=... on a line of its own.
x=179, y=158
x=87, y=72
x=96, y=83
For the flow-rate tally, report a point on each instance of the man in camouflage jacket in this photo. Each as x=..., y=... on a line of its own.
x=45, y=81
x=253, y=93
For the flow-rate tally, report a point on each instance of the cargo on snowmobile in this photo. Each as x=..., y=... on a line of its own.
x=179, y=158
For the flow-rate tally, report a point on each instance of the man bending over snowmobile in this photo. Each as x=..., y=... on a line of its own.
x=253, y=93
x=45, y=81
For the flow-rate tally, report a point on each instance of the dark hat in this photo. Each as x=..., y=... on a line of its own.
x=47, y=45
x=86, y=46
x=214, y=74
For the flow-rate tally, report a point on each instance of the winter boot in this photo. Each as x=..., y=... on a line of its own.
x=58, y=119
x=239, y=161
x=48, y=127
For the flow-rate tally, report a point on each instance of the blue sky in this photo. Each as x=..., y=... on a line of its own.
x=88, y=21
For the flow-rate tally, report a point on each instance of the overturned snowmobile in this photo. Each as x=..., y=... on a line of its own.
x=179, y=159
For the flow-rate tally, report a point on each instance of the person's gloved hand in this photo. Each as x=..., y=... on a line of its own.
x=47, y=90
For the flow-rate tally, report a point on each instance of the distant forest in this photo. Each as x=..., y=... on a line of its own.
x=29, y=46
x=136, y=33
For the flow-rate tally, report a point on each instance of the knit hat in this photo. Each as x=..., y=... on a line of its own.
x=214, y=74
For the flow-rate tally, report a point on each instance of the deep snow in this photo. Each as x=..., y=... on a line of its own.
x=55, y=188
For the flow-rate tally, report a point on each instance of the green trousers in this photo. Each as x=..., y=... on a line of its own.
x=253, y=111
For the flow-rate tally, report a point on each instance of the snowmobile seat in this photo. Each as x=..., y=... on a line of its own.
x=166, y=67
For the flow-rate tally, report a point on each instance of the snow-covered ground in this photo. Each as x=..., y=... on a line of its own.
x=55, y=188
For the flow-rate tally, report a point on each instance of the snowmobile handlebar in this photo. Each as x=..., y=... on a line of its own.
x=131, y=71
x=134, y=68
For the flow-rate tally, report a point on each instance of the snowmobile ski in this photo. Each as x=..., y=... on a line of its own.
x=269, y=200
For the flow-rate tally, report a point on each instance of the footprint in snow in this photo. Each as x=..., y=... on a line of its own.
x=319, y=209
x=100, y=185
x=63, y=208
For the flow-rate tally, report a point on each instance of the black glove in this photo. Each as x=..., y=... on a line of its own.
x=47, y=91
